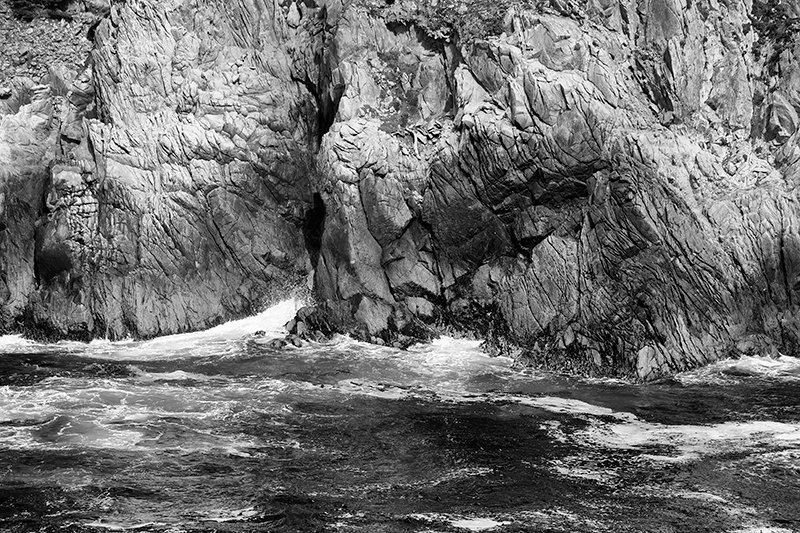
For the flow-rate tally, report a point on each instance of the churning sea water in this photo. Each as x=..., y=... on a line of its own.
x=216, y=431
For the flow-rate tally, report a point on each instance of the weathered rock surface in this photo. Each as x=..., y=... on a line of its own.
x=176, y=193
x=25, y=136
x=605, y=187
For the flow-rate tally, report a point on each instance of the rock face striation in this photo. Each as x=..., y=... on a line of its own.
x=177, y=182
x=599, y=186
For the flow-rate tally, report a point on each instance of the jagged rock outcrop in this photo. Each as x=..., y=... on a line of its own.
x=179, y=186
x=602, y=189
x=26, y=133
x=597, y=186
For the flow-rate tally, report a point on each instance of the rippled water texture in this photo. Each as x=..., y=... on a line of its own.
x=215, y=431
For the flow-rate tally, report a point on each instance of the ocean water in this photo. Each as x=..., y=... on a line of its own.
x=216, y=431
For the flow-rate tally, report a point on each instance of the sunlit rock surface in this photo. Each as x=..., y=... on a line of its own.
x=179, y=178
x=602, y=190
x=600, y=187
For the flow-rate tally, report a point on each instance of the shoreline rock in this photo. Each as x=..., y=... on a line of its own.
x=591, y=186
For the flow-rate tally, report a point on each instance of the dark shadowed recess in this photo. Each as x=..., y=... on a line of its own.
x=314, y=226
x=28, y=10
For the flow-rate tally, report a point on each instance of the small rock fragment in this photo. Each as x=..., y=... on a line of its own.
x=294, y=340
x=276, y=344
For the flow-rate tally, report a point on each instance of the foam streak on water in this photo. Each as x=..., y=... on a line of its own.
x=733, y=370
x=221, y=339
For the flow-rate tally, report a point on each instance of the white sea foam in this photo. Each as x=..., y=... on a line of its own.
x=691, y=441
x=12, y=342
x=583, y=473
x=19, y=345
x=460, y=522
x=123, y=526
x=83, y=432
x=225, y=515
x=762, y=529
x=270, y=321
x=477, y=524
x=114, y=414
x=732, y=370
x=223, y=339
x=567, y=406
x=655, y=490
x=176, y=375
x=464, y=473
x=552, y=404
x=445, y=367
x=455, y=354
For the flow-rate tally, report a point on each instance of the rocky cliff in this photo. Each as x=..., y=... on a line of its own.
x=600, y=186
x=176, y=184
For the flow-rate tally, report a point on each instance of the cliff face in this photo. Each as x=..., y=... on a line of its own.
x=598, y=186
x=609, y=188
x=179, y=184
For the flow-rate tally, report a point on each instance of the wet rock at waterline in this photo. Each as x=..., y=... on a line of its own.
x=600, y=189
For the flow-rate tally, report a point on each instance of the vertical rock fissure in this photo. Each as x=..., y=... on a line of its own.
x=314, y=227
x=782, y=257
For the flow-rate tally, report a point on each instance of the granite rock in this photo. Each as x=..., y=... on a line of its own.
x=606, y=191
x=603, y=187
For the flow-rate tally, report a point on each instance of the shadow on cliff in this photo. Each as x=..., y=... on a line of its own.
x=28, y=10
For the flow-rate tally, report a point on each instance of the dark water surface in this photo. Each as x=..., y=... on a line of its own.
x=216, y=432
